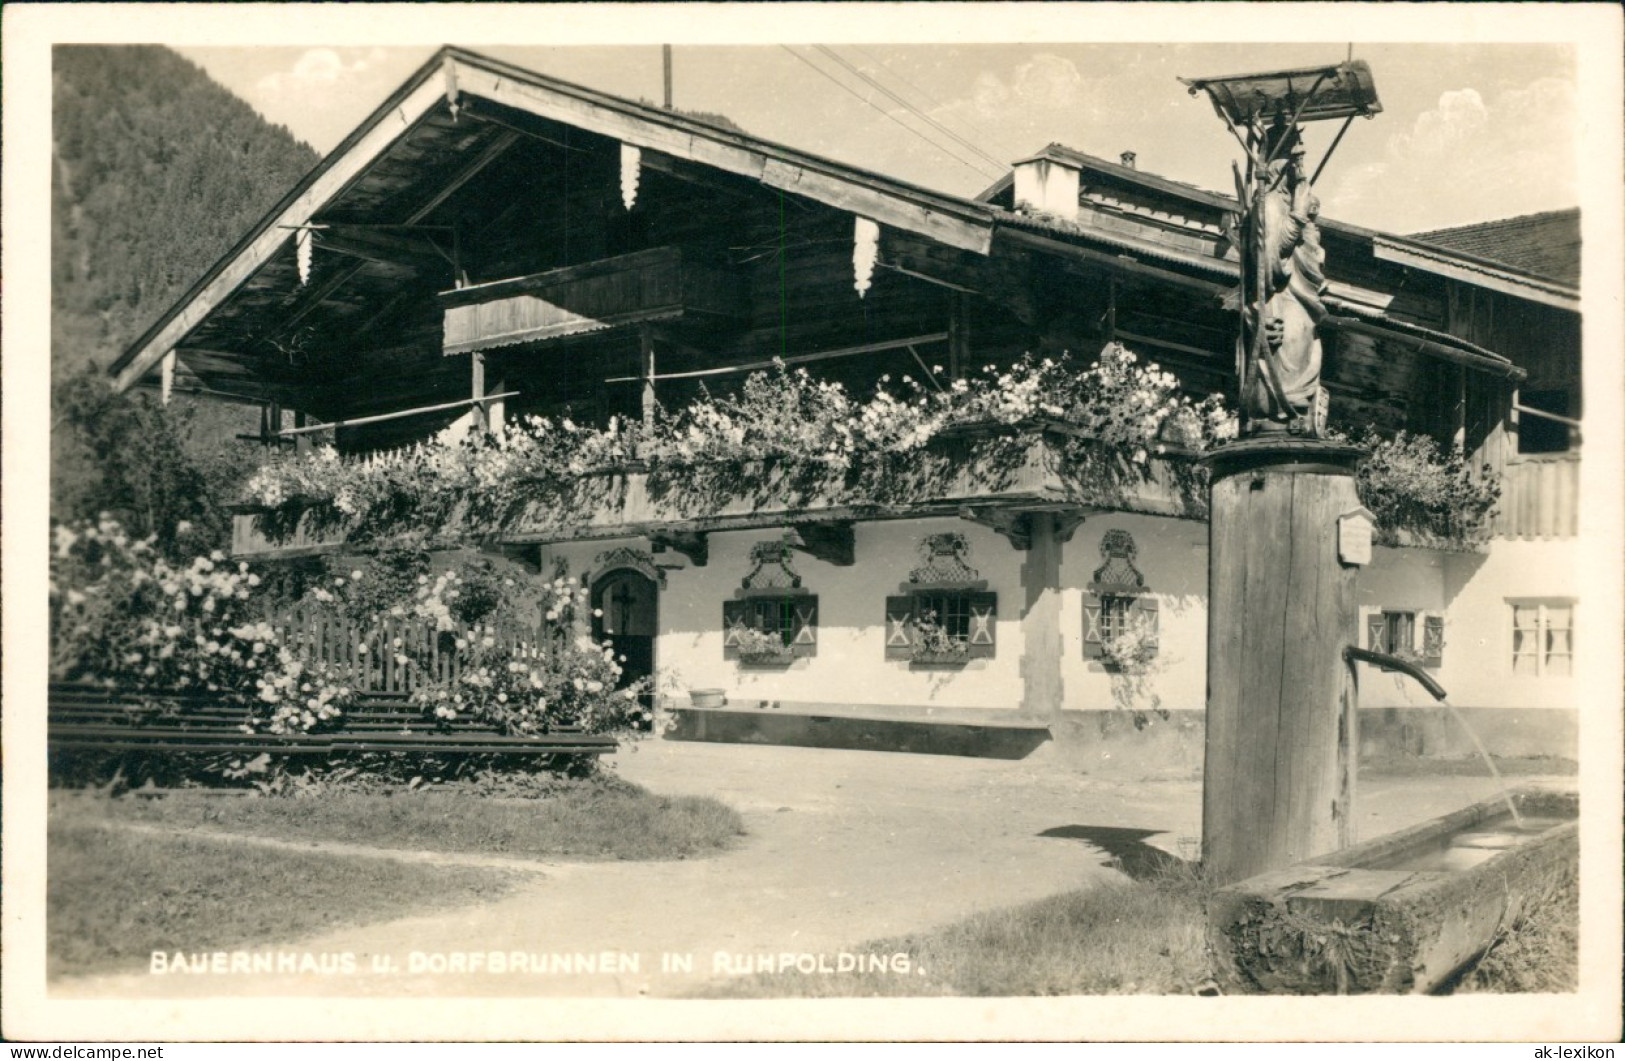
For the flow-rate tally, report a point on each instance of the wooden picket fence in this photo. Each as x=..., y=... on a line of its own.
x=371, y=659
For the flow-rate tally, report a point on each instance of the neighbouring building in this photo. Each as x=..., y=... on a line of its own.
x=492, y=231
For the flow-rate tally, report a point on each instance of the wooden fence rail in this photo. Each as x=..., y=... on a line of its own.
x=393, y=656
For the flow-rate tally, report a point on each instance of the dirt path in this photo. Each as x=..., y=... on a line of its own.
x=843, y=847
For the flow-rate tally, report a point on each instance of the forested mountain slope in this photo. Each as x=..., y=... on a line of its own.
x=157, y=172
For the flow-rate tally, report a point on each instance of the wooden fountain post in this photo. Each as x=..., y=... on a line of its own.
x=1278, y=785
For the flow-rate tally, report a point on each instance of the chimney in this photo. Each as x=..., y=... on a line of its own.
x=1127, y=158
x=1047, y=184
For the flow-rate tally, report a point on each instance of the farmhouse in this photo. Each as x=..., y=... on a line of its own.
x=493, y=245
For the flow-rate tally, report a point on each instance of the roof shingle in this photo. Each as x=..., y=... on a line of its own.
x=1545, y=245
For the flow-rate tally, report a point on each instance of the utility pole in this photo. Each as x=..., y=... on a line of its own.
x=665, y=64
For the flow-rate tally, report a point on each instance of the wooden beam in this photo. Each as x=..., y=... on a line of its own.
x=318, y=294
x=832, y=541
x=890, y=203
x=380, y=417
x=959, y=348
x=341, y=169
x=937, y=280
x=1014, y=526
x=693, y=544
x=798, y=359
x=477, y=371
x=383, y=247
x=646, y=344
x=1121, y=262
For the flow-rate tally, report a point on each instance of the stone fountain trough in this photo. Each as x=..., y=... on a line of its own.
x=1401, y=913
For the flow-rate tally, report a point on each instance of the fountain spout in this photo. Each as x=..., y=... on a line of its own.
x=1435, y=690
x=1404, y=666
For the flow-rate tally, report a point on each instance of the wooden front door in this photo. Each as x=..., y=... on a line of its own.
x=626, y=603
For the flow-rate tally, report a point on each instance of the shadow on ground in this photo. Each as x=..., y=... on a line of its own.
x=1125, y=849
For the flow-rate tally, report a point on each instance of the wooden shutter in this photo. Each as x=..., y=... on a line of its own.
x=900, y=627
x=1376, y=632
x=804, y=628
x=736, y=616
x=984, y=613
x=1092, y=640
x=1146, y=611
x=1432, y=639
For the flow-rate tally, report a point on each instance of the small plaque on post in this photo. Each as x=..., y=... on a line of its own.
x=1354, y=532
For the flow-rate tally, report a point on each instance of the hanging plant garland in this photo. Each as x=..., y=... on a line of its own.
x=865, y=250
x=631, y=171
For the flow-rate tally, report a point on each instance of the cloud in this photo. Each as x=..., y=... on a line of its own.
x=327, y=90
x=319, y=69
x=1467, y=160
x=1043, y=85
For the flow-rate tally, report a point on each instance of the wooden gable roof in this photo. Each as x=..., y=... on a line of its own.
x=379, y=200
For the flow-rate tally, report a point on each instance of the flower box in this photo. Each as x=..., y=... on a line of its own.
x=766, y=657
x=939, y=658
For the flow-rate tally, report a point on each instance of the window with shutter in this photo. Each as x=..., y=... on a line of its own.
x=767, y=630
x=942, y=626
x=1094, y=630
x=900, y=627
x=1146, y=611
x=735, y=621
x=1433, y=640
x=981, y=640
x=1107, y=616
x=803, y=626
x=1376, y=632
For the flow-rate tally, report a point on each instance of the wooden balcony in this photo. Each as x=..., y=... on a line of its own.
x=653, y=285
x=1540, y=497
x=991, y=476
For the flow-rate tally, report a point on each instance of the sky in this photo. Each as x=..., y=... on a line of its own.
x=1468, y=132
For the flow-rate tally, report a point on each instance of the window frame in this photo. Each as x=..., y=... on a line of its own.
x=1543, y=630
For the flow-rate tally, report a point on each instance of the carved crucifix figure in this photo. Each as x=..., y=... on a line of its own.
x=1284, y=353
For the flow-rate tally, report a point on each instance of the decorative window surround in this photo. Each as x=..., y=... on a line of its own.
x=773, y=621
x=1117, y=600
x=943, y=615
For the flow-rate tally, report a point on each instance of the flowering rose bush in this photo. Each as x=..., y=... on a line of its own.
x=124, y=616
x=1131, y=659
x=522, y=677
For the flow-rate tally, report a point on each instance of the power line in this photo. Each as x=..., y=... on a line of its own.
x=854, y=92
x=930, y=99
x=906, y=105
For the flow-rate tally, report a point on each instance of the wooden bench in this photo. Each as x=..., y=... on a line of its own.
x=85, y=717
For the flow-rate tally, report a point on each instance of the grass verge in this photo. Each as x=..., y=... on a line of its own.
x=588, y=819
x=113, y=897
x=1126, y=938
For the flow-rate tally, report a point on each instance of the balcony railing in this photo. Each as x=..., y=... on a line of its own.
x=651, y=285
x=1009, y=468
